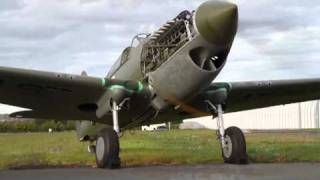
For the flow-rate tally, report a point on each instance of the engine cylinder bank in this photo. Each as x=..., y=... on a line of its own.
x=164, y=42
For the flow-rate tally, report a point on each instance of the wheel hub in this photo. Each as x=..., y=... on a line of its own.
x=100, y=148
x=227, y=149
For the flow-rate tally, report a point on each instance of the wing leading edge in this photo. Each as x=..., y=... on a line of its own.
x=242, y=96
x=53, y=95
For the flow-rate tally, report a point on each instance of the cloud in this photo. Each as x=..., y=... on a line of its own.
x=281, y=41
x=276, y=39
x=7, y=5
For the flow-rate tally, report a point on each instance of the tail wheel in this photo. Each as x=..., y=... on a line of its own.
x=107, y=149
x=234, y=151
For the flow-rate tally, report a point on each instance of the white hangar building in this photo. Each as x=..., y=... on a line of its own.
x=293, y=116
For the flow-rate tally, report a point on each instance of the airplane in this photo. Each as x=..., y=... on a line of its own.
x=167, y=75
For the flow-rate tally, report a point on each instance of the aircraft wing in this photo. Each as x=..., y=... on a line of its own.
x=52, y=95
x=259, y=94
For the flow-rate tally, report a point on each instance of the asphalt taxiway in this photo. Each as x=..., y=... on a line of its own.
x=290, y=171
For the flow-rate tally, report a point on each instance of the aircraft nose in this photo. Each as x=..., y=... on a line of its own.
x=217, y=21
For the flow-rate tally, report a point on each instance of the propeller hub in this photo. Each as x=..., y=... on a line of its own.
x=217, y=21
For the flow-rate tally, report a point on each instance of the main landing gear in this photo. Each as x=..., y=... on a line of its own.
x=232, y=140
x=107, y=149
x=107, y=144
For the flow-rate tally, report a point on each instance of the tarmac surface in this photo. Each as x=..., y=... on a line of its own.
x=290, y=171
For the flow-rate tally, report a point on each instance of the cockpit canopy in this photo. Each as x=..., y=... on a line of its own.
x=124, y=57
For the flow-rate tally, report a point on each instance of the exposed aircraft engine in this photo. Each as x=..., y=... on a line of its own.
x=164, y=42
x=177, y=59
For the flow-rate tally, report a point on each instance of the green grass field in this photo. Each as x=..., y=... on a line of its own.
x=153, y=148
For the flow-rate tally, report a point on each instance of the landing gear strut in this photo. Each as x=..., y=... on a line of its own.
x=107, y=145
x=115, y=109
x=233, y=143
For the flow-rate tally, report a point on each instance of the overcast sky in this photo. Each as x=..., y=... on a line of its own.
x=276, y=39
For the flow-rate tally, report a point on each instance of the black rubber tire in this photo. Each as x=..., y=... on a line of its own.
x=239, y=150
x=109, y=158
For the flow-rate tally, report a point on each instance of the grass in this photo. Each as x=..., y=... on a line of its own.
x=153, y=148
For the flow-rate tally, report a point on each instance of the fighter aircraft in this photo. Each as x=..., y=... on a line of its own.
x=168, y=75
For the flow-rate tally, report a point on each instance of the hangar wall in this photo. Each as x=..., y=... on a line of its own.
x=293, y=116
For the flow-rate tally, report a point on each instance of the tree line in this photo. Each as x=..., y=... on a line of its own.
x=36, y=126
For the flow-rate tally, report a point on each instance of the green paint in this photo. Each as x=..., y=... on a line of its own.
x=221, y=89
x=103, y=81
x=216, y=90
x=140, y=86
x=227, y=86
x=116, y=87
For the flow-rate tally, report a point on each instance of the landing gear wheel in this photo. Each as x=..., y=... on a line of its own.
x=234, y=151
x=107, y=149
